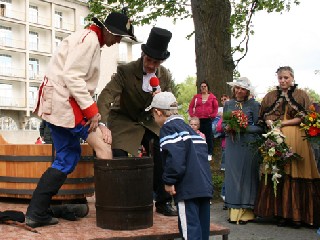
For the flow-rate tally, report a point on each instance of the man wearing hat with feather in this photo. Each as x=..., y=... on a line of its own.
x=65, y=103
x=122, y=106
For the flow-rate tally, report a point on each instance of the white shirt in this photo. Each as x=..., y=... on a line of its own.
x=146, y=82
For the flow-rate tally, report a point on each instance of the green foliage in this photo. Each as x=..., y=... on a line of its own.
x=142, y=11
x=185, y=92
x=315, y=97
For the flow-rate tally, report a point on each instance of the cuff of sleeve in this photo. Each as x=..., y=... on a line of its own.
x=90, y=111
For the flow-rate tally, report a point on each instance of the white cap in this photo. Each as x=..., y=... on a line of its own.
x=162, y=100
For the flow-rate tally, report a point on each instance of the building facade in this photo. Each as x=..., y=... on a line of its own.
x=30, y=32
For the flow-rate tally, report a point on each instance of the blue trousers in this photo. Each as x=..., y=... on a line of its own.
x=67, y=145
x=194, y=218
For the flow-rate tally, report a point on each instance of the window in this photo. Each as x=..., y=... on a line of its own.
x=33, y=68
x=123, y=52
x=5, y=36
x=8, y=8
x=83, y=22
x=33, y=94
x=58, y=40
x=33, y=41
x=5, y=65
x=58, y=19
x=6, y=95
x=33, y=14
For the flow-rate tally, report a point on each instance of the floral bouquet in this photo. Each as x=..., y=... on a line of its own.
x=275, y=154
x=311, y=125
x=237, y=121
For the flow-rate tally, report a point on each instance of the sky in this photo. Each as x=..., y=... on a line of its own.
x=291, y=38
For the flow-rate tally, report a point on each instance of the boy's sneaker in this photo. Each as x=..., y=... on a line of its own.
x=34, y=224
x=209, y=157
x=166, y=209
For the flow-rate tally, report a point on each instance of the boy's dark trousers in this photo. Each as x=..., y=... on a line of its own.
x=194, y=214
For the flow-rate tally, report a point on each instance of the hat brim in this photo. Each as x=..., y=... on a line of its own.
x=158, y=55
x=233, y=84
x=113, y=30
x=148, y=108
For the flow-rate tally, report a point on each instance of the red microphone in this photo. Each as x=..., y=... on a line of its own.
x=154, y=83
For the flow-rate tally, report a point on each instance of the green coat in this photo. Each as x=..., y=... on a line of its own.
x=122, y=105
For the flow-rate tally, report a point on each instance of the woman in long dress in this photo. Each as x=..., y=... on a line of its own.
x=298, y=193
x=241, y=159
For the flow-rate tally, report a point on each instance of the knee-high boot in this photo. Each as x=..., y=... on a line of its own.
x=48, y=186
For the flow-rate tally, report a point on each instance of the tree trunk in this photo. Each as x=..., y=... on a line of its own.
x=213, y=44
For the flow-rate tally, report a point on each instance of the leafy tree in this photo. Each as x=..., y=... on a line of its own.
x=215, y=21
x=186, y=90
x=315, y=97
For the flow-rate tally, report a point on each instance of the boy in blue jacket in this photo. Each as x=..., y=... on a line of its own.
x=187, y=175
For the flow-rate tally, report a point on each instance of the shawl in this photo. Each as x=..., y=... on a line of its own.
x=274, y=104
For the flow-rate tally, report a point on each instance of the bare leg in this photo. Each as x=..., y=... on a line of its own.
x=102, y=149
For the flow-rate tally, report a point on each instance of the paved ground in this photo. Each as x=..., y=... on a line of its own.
x=86, y=228
x=267, y=230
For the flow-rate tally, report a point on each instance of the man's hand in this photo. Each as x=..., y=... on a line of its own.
x=93, y=122
x=170, y=189
x=106, y=134
x=156, y=92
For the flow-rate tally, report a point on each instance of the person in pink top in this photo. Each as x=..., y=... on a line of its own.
x=204, y=105
x=194, y=123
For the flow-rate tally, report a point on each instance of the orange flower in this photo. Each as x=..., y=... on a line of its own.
x=313, y=115
x=312, y=108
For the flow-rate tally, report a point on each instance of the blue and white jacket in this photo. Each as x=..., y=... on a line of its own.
x=185, y=160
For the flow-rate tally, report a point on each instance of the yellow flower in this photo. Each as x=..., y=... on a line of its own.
x=271, y=152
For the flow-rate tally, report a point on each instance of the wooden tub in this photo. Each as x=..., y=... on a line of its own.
x=21, y=166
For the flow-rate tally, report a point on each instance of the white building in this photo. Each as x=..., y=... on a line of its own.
x=30, y=31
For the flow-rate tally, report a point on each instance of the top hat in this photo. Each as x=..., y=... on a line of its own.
x=118, y=24
x=157, y=44
x=242, y=82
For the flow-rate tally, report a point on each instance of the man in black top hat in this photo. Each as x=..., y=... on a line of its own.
x=122, y=103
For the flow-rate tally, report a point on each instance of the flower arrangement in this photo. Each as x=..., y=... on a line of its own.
x=237, y=120
x=275, y=153
x=310, y=123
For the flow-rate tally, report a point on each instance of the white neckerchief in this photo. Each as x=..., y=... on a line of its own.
x=146, y=82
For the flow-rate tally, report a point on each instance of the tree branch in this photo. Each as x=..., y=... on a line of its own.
x=247, y=34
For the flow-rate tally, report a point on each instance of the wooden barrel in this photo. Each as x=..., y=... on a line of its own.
x=22, y=165
x=123, y=193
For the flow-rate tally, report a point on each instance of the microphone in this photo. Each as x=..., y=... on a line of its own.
x=154, y=83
